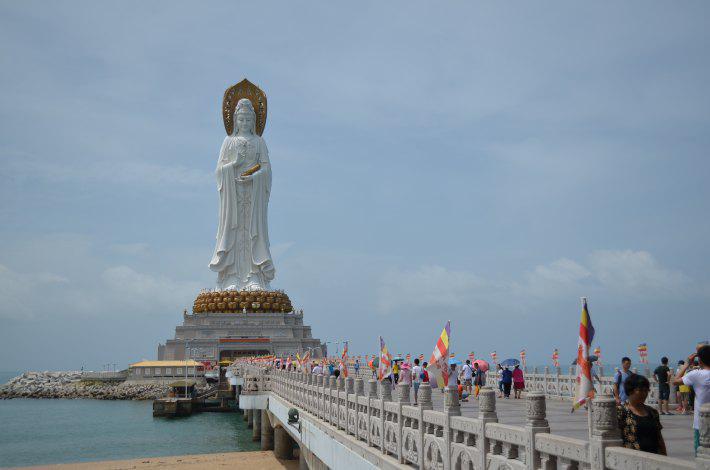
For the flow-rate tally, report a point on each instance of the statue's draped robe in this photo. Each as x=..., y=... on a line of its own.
x=241, y=256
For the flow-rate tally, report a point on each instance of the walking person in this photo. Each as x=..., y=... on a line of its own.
x=416, y=380
x=499, y=370
x=395, y=371
x=453, y=377
x=479, y=378
x=639, y=424
x=619, y=379
x=518, y=381
x=683, y=390
x=699, y=381
x=467, y=373
x=357, y=367
x=425, y=373
x=507, y=380
x=662, y=375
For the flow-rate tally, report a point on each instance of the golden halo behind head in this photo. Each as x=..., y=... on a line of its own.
x=232, y=95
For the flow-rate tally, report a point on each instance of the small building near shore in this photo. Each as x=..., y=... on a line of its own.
x=165, y=371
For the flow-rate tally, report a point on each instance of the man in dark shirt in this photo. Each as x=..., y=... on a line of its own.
x=662, y=375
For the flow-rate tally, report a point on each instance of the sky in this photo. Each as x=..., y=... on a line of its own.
x=486, y=163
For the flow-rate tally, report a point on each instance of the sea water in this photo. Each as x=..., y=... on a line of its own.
x=46, y=431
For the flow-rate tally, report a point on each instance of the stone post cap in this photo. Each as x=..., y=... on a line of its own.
x=536, y=409
x=487, y=405
x=604, y=422
x=704, y=432
x=359, y=386
x=372, y=388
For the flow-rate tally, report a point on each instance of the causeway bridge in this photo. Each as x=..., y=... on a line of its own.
x=355, y=423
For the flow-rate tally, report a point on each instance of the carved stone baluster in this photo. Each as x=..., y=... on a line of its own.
x=333, y=400
x=403, y=393
x=566, y=464
x=424, y=395
x=487, y=414
x=386, y=390
x=371, y=395
x=604, y=432
x=452, y=407
x=548, y=462
x=359, y=386
x=536, y=422
x=703, y=457
x=508, y=450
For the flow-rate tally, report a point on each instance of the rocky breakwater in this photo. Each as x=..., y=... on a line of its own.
x=68, y=384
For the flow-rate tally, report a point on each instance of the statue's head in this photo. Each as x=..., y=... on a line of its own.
x=244, y=117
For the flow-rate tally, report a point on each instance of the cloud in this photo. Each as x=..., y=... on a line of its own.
x=147, y=291
x=108, y=170
x=426, y=287
x=637, y=272
x=607, y=273
x=19, y=291
x=130, y=248
x=612, y=273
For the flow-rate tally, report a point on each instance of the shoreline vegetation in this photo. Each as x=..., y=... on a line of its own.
x=261, y=460
x=68, y=384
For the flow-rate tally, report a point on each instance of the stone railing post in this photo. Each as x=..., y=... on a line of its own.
x=371, y=395
x=349, y=384
x=487, y=414
x=702, y=459
x=403, y=393
x=536, y=422
x=333, y=400
x=424, y=396
x=359, y=386
x=604, y=432
x=545, y=378
x=452, y=407
x=402, y=398
x=372, y=388
x=386, y=390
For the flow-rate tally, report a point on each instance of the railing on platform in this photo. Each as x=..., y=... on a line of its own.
x=105, y=376
x=421, y=437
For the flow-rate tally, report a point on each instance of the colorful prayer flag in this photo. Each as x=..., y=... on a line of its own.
x=643, y=353
x=556, y=358
x=385, y=368
x=344, y=360
x=439, y=363
x=585, y=388
x=522, y=357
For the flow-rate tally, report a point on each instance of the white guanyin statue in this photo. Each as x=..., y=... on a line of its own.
x=242, y=257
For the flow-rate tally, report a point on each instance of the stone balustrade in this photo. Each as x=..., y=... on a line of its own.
x=556, y=384
x=418, y=436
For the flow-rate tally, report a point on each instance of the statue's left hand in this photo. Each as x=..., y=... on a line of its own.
x=244, y=179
